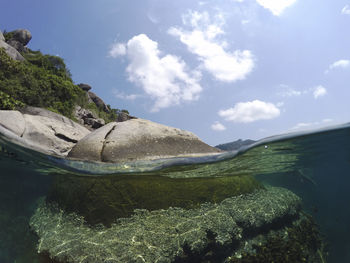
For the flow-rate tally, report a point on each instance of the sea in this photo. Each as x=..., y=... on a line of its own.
x=314, y=165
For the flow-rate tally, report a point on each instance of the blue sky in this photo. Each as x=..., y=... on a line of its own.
x=223, y=69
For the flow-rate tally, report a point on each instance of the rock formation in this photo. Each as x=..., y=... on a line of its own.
x=138, y=139
x=98, y=101
x=42, y=130
x=88, y=118
x=11, y=51
x=210, y=233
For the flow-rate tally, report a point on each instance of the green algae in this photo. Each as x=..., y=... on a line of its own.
x=103, y=199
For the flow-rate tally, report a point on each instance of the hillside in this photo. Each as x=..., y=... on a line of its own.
x=30, y=78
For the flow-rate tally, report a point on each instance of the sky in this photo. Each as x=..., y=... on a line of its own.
x=223, y=69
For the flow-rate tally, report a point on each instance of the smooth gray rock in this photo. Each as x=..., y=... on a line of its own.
x=13, y=121
x=138, y=139
x=17, y=45
x=11, y=51
x=22, y=35
x=2, y=38
x=46, y=132
x=91, y=146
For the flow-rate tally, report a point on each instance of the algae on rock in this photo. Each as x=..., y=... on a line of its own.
x=104, y=199
x=166, y=235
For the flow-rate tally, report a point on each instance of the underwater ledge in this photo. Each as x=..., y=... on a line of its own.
x=236, y=228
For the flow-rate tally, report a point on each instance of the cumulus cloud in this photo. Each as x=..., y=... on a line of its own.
x=165, y=78
x=202, y=40
x=286, y=91
x=276, y=6
x=123, y=96
x=342, y=63
x=217, y=126
x=250, y=111
x=346, y=10
x=319, y=91
x=118, y=49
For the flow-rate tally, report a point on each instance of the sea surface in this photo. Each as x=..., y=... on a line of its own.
x=315, y=165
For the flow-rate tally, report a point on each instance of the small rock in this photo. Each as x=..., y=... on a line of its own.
x=84, y=86
x=22, y=35
x=123, y=116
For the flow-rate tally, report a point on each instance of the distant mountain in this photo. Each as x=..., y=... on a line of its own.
x=234, y=145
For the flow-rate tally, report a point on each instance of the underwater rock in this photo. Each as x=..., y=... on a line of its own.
x=104, y=199
x=42, y=130
x=171, y=235
x=138, y=139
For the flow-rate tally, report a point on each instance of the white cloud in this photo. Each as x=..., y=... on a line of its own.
x=117, y=49
x=165, y=78
x=123, y=96
x=346, y=10
x=217, y=126
x=342, y=63
x=203, y=41
x=276, y=6
x=250, y=111
x=319, y=91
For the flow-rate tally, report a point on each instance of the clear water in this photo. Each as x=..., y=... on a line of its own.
x=314, y=165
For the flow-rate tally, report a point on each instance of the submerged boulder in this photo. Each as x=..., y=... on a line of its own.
x=42, y=130
x=138, y=139
x=238, y=229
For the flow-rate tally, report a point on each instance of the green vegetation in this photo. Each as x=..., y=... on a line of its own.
x=7, y=35
x=42, y=81
x=300, y=242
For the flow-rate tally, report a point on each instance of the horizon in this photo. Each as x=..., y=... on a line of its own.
x=236, y=69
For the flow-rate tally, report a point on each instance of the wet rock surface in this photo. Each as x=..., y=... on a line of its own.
x=171, y=235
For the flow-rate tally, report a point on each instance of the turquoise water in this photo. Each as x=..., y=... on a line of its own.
x=314, y=165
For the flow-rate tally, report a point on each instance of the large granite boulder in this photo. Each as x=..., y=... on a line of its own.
x=138, y=139
x=17, y=45
x=22, y=35
x=2, y=38
x=11, y=51
x=42, y=130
